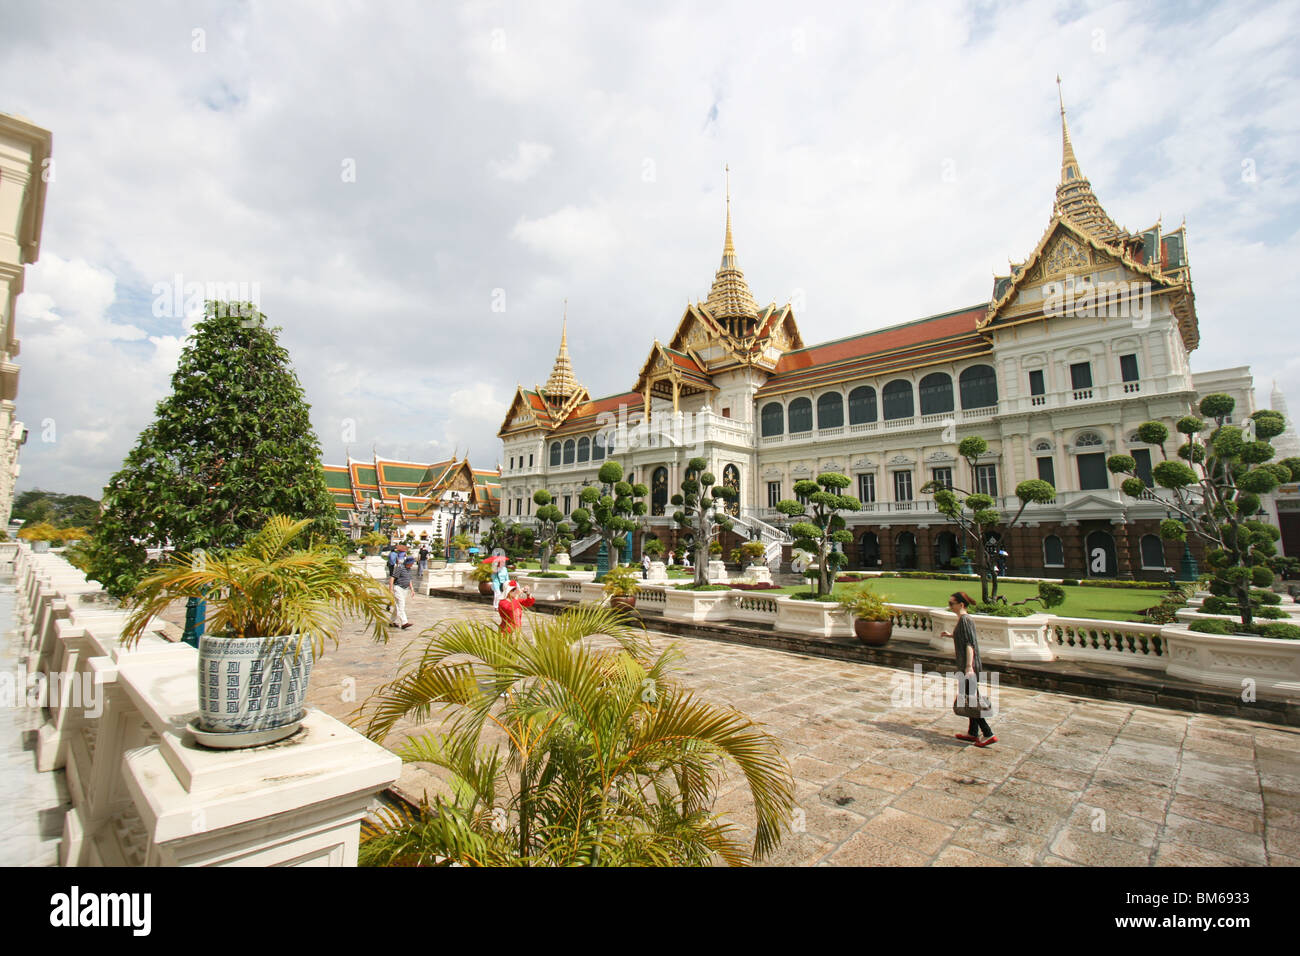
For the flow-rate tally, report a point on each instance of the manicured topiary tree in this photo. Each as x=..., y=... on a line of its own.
x=824, y=526
x=551, y=527
x=1216, y=483
x=607, y=509
x=231, y=446
x=702, y=513
x=977, y=514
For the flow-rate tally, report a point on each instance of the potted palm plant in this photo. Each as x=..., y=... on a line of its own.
x=620, y=584
x=871, y=619
x=270, y=608
x=482, y=573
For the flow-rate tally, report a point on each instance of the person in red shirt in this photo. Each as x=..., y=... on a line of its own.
x=511, y=607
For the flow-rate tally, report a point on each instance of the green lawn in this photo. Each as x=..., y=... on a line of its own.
x=1115, y=604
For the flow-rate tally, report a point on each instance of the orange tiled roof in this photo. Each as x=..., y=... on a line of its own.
x=929, y=341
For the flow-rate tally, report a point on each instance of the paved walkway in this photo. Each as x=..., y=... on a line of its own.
x=1071, y=781
x=32, y=805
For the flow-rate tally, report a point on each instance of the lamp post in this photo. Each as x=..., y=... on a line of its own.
x=455, y=503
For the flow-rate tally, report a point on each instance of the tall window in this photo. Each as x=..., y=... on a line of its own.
x=986, y=480
x=555, y=453
x=659, y=491
x=936, y=393
x=773, y=493
x=598, y=446
x=569, y=449
x=1053, y=552
x=1092, y=472
x=584, y=449
x=519, y=506
x=1037, y=386
x=773, y=419
x=1081, y=375
x=731, y=479
x=979, y=386
x=1153, y=552
x=530, y=461
x=568, y=503
x=902, y=486
x=862, y=405
x=830, y=410
x=1046, y=471
x=942, y=476
x=800, y=415
x=866, y=488
x=1128, y=368
x=1142, y=456
x=898, y=400
x=512, y=462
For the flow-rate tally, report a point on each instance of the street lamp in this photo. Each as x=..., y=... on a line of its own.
x=455, y=503
x=1188, y=570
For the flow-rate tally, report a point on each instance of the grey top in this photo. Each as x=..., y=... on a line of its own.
x=962, y=636
x=402, y=576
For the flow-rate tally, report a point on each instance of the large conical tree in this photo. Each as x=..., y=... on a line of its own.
x=231, y=446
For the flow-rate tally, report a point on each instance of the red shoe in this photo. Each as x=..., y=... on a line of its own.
x=967, y=737
x=986, y=741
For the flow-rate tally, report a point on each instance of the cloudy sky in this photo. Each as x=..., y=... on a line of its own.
x=414, y=189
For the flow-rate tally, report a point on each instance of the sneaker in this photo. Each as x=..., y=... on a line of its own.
x=408, y=624
x=986, y=741
x=967, y=737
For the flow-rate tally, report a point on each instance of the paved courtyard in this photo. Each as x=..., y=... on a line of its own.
x=1071, y=781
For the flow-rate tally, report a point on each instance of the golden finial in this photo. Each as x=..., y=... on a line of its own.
x=564, y=327
x=1069, y=164
x=728, y=247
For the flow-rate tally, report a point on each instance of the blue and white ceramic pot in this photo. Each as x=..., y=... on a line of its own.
x=248, y=685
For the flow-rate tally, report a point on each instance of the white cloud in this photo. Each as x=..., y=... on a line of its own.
x=528, y=159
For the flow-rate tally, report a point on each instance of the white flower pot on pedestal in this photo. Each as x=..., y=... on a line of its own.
x=695, y=607
x=251, y=690
x=1268, y=664
x=563, y=559
x=717, y=572
x=757, y=574
x=658, y=573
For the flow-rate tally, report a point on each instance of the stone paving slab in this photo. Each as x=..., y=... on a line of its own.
x=1072, y=781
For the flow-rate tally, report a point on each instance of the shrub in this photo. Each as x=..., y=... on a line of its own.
x=865, y=605
x=762, y=586
x=548, y=574
x=1273, y=613
x=589, y=567
x=1166, y=612
x=810, y=596
x=1070, y=583
x=703, y=587
x=998, y=609
x=1212, y=626
x=1104, y=583
x=1279, y=631
x=1261, y=596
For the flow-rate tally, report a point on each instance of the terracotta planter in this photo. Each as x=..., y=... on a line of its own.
x=873, y=633
x=485, y=588
x=624, y=600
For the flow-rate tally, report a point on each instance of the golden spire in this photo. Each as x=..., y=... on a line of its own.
x=1075, y=200
x=562, y=383
x=730, y=297
x=1069, y=164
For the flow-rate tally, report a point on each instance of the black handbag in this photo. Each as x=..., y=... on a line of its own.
x=970, y=705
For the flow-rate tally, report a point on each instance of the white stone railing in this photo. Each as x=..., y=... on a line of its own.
x=1108, y=642
x=143, y=792
x=1038, y=637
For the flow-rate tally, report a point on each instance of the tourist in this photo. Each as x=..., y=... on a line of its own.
x=645, y=566
x=511, y=607
x=1002, y=562
x=500, y=576
x=424, y=557
x=401, y=588
x=395, y=557
x=967, y=653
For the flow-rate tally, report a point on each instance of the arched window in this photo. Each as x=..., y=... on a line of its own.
x=568, y=452
x=830, y=410
x=1087, y=440
x=862, y=405
x=800, y=414
x=936, y=393
x=731, y=479
x=658, y=491
x=898, y=400
x=584, y=449
x=905, y=551
x=773, y=416
x=1053, y=552
x=598, y=447
x=979, y=387
x=1153, y=552
x=869, y=550
x=1042, y=445
x=555, y=453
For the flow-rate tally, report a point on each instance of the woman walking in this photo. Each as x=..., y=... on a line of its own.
x=511, y=607
x=967, y=652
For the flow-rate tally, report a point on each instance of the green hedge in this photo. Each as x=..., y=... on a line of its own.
x=1106, y=583
x=1272, y=629
x=998, y=609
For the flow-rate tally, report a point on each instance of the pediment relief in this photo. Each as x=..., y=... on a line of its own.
x=902, y=460
x=801, y=471
x=1066, y=254
x=863, y=464
x=831, y=466
x=772, y=472
x=939, y=457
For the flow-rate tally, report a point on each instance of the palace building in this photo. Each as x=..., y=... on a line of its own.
x=412, y=496
x=1083, y=341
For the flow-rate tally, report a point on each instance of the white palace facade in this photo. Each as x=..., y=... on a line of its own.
x=1083, y=341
